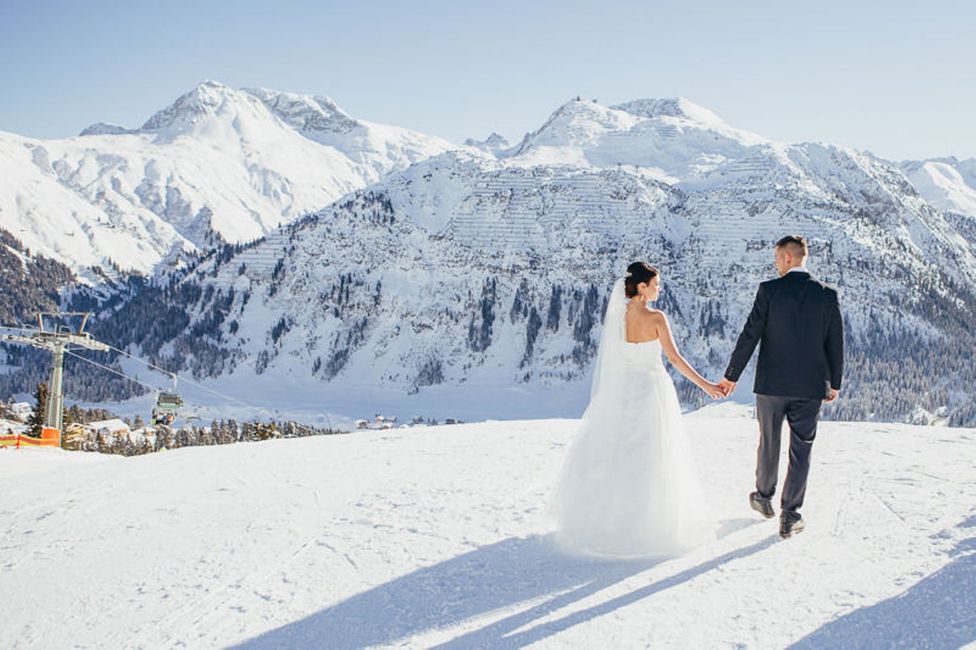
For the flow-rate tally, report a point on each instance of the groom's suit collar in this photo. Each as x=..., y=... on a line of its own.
x=797, y=270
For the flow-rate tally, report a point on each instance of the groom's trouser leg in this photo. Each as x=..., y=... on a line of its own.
x=770, y=411
x=802, y=416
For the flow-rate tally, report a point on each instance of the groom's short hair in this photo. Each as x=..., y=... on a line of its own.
x=797, y=245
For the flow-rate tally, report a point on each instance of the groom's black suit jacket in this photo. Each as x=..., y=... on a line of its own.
x=797, y=320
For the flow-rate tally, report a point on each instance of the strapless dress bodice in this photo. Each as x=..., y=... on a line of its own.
x=646, y=354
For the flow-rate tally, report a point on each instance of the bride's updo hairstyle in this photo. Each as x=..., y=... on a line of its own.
x=636, y=273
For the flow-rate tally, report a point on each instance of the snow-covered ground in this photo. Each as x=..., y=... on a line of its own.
x=438, y=537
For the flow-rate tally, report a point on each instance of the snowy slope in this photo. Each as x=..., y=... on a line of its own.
x=438, y=537
x=218, y=163
x=946, y=183
x=480, y=272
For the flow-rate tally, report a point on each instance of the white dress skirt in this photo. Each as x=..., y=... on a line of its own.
x=629, y=486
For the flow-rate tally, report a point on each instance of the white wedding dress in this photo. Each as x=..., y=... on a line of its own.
x=629, y=485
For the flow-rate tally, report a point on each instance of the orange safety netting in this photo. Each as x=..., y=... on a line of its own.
x=49, y=438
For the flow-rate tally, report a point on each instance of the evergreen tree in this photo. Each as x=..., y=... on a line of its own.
x=35, y=422
x=73, y=414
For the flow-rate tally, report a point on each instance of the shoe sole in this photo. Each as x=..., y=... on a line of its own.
x=757, y=508
x=793, y=531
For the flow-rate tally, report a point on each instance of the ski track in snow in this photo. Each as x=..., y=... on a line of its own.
x=439, y=538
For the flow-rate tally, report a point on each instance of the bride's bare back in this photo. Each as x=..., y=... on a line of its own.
x=641, y=324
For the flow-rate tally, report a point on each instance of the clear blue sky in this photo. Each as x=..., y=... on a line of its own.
x=897, y=78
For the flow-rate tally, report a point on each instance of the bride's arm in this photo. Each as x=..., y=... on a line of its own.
x=678, y=361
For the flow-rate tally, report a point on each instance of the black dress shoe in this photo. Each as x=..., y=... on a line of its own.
x=761, y=505
x=790, y=523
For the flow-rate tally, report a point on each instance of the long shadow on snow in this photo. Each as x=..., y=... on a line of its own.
x=937, y=612
x=497, y=576
x=497, y=634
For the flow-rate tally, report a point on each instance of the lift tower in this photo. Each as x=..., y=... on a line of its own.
x=57, y=341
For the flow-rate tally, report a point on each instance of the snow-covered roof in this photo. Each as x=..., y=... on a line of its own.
x=10, y=424
x=114, y=425
x=140, y=434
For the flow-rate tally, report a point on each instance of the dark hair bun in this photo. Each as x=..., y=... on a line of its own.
x=637, y=273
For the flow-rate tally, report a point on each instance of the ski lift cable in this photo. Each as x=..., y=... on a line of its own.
x=168, y=373
x=172, y=375
x=111, y=370
x=122, y=374
x=162, y=370
x=150, y=365
x=180, y=377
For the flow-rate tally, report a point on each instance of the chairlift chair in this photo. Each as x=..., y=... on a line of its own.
x=168, y=404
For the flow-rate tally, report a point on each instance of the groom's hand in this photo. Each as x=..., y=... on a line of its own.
x=832, y=396
x=726, y=386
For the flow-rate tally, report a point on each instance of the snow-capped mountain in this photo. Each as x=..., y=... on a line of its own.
x=947, y=183
x=950, y=185
x=217, y=164
x=672, y=138
x=473, y=278
x=494, y=143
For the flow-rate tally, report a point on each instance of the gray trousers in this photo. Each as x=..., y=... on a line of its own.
x=801, y=414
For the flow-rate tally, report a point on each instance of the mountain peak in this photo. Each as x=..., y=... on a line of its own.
x=104, y=128
x=493, y=143
x=672, y=134
x=306, y=113
x=580, y=106
x=188, y=109
x=669, y=107
x=578, y=122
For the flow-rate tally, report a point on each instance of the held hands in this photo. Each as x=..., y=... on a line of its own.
x=726, y=386
x=714, y=390
x=720, y=390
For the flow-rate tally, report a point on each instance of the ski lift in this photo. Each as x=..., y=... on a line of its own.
x=168, y=404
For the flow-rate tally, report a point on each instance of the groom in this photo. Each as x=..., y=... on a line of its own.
x=801, y=361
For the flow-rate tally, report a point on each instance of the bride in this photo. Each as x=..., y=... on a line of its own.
x=629, y=485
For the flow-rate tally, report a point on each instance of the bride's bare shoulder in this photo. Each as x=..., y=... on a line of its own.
x=644, y=315
x=660, y=320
